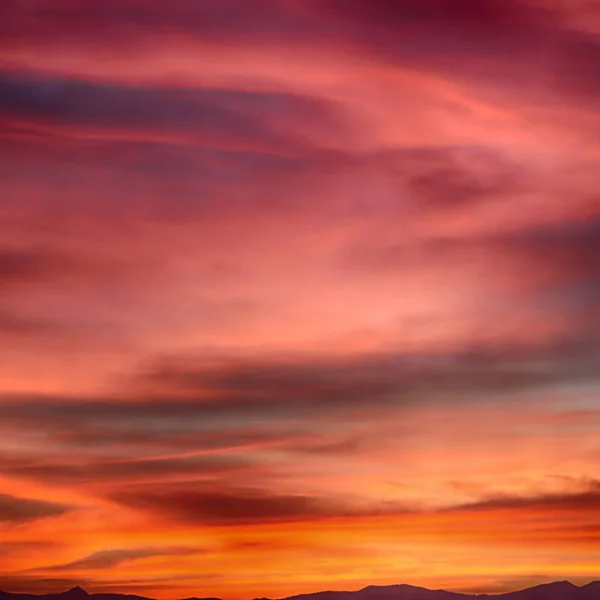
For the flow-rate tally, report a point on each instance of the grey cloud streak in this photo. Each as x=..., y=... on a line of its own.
x=192, y=387
x=221, y=117
x=16, y=510
x=111, y=559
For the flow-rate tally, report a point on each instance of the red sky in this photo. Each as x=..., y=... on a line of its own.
x=299, y=295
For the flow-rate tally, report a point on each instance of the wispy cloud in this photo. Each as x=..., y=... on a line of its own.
x=16, y=510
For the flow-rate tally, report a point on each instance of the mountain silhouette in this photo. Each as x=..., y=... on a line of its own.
x=76, y=593
x=559, y=590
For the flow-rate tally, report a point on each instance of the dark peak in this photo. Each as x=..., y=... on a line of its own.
x=376, y=587
x=559, y=584
x=76, y=591
x=396, y=586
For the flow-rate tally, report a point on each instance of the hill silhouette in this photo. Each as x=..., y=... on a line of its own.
x=559, y=590
x=76, y=593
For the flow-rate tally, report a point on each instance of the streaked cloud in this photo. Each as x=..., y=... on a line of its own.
x=15, y=510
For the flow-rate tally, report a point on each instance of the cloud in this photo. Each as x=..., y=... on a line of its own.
x=475, y=16
x=112, y=559
x=29, y=546
x=220, y=504
x=231, y=19
x=431, y=178
x=587, y=501
x=233, y=422
x=233, y=119
x=569, y=247
x=190, y=394
x=97, y=471
x=146, y=440
x=223, y=505
x=437, y=35
x=514, y=49
x=23, y=265
x=52, y=265
x=14, y=325
x=26, y=266
x=538, y=51
x=550, y=267
x=49, y=272
x=15, y=510
x=385, y=378
x=575, y=70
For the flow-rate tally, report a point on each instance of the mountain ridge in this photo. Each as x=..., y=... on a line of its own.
x=411, y=592
x=557, y=590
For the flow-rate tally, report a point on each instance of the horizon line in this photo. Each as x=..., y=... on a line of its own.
x=80, y=589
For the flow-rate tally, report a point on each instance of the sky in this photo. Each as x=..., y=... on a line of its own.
x=299, y=295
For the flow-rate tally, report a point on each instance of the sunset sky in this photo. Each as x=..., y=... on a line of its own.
x=299, y=295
